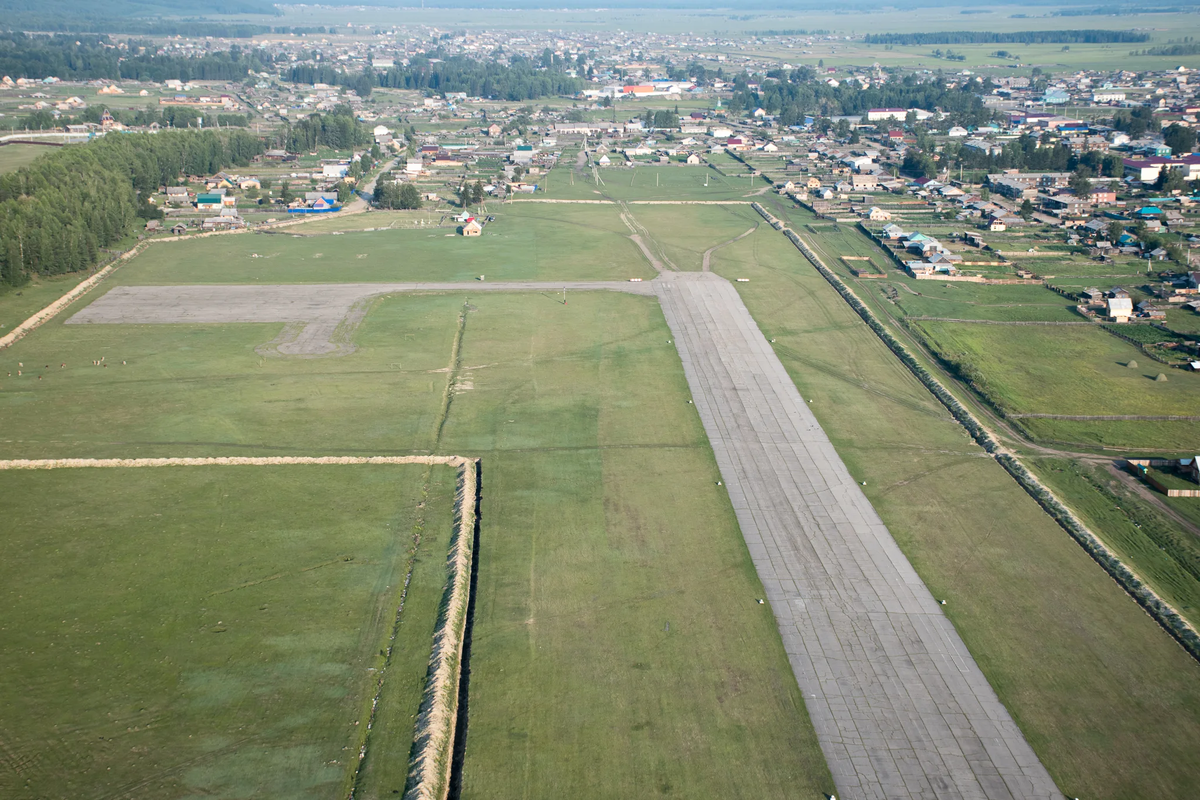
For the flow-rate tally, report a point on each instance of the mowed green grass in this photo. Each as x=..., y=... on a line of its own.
x=618, y=648
x=530, y=242
x=208, y=631
x=981, y=301
x=1073, y=370
x=602, y=486
x=15, y=156
x=1108, y=701
x=683, y=233
x=194, y=389
x=20, y=303
x=1166, y=554
x=646, y=182
x=1076, y=371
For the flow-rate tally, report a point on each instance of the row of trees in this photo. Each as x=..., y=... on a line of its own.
x=520, y=79
x=796, y=94
x=390, y=193
x=163, y=116
x=438, y=73
x=339, y=130
x=362, y=83
x=1091, y=36
x=57, y=213
x=92, y=57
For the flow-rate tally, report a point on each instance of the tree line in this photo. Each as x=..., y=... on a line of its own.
x=92, y=57
x=1090, y=36
x=520, y=79
x=338, y=130
x=797, y=94
x=57, y=213
x=1178, y=49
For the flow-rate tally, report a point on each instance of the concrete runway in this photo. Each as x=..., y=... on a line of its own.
x=899, y=705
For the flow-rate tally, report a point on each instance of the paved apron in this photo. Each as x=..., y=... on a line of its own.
x=898, y=703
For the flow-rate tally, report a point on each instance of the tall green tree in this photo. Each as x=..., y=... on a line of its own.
x=1180, y=138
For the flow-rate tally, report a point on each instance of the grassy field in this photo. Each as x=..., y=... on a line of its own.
x=596, y=651
x=683, y=233
x=18, y=305
x=978, y=301
x=649, y=182
x=188, y=389
x=1107, y=700
x=1028, y=369
x=617, y=644
x=729, y=22
x=15, y=156
x=531, y=242
x=1076, y=371
x=208, y=631
x=1167, y=555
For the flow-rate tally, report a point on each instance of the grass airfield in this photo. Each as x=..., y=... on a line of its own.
x=600, y=509
x=617, y=647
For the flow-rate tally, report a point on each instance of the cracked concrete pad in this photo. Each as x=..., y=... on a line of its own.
x=899, y=705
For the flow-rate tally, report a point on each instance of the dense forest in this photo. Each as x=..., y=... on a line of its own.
x=1014, y=37
x=84, y=57
x=57, y=213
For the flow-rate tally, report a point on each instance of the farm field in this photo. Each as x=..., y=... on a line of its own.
x=1072, y=371
x=531, y=242
x=842, y=21
x=212, y=631
x=1088, y=677
x=1075, y=370
x=976, y=301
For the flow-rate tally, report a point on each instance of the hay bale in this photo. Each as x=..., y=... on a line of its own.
x=1160, y=378
x=1132, y=364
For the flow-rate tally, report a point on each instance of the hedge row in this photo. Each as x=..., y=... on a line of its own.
x=1166, y=616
